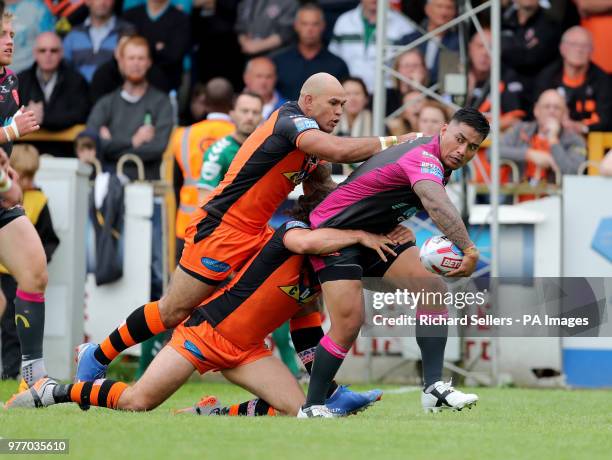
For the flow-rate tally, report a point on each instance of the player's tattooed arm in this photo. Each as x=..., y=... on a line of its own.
x=443, y=212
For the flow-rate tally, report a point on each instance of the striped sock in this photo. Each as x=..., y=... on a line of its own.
x=253, y=408
x=101, y=393
x=142, y=324
x=306, y=333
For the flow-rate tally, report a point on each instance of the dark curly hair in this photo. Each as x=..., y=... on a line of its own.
x=316, y=188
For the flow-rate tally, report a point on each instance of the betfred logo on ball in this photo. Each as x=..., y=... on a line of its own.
x=439, y=255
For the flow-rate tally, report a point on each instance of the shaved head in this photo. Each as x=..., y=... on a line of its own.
x=320, y=83
x=322, y=97
x=219, y=94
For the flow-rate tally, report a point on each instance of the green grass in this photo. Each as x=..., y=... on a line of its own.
x=506, y=424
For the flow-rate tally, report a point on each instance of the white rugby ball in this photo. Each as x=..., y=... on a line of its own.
x=440, y=255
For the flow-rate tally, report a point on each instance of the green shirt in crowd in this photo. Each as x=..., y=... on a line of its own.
x=216, y=162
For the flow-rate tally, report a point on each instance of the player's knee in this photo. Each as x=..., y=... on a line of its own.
x=171, y=314
x=133, y=401
x=34, y=279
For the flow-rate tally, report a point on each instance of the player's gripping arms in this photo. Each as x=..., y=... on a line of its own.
x=24, y=122
x=322, y=98
x=444, y=214
x=328, y=240
x=10, y=192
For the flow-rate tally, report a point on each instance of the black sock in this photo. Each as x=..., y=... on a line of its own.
x=329, y=356
x=305, y=342
x=432, y=342
x=30, y=321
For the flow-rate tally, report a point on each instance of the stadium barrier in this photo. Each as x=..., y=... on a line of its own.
x=65, y=182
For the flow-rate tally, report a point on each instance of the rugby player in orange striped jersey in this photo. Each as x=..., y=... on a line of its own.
x=232, y=224
x=227, y=333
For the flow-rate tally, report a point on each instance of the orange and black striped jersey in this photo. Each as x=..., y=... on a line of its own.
x=267, y=292
x=265, y=170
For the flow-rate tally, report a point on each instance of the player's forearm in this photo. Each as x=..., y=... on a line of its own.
x=443, y=213
x=326, y=240
x=344, y=149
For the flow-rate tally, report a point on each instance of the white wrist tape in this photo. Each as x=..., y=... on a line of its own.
x=13, y=126
x=7, y=134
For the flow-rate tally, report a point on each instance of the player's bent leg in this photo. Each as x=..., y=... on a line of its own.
x=21, y=251
x=406, y=272
x=270, y=380
x=166, y=374
x=184, y=294
x=168, y=371
x=344, y=300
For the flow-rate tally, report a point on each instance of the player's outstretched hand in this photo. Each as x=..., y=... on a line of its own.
x=26, y=122
x=468, y=264
x=379, y=243
x=401, y=235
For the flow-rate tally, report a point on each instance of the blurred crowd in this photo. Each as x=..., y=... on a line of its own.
x=131, y=70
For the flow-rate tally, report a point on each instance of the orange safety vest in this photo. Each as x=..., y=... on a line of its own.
x=189, y=145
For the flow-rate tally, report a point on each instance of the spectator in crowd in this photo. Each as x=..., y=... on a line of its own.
x=168, y=31
x=189, y=144
x=585, y=86
x=260, y=78
x=52, y=90
x=265, y=25
x=34, y=19
x=479, y=83
x=606, y=165
x=196, y=109
x=246, y=115
x=432, y=117
x=542, y=148
x=135, y=118
x=213, y=21
x=332, y=10
x=411, y=65
x=438, y=13
x=182, y=5
x=25, y=161
x=91, y=44
x=596, y=17
x=308, y=56
x=408, y=119
x=107, y=78
x=67, y=13
x=529, y=42
x=354, y=38
x=356, y=119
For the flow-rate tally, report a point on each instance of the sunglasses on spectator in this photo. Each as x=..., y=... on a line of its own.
x=48, y=50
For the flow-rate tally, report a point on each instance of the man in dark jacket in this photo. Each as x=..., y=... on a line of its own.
x=584, y=85
x=54, y=92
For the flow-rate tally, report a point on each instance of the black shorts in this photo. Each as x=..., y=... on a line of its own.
x=8, y=215
x=354, y=262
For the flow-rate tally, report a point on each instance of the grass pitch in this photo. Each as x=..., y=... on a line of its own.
x=506, y=424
